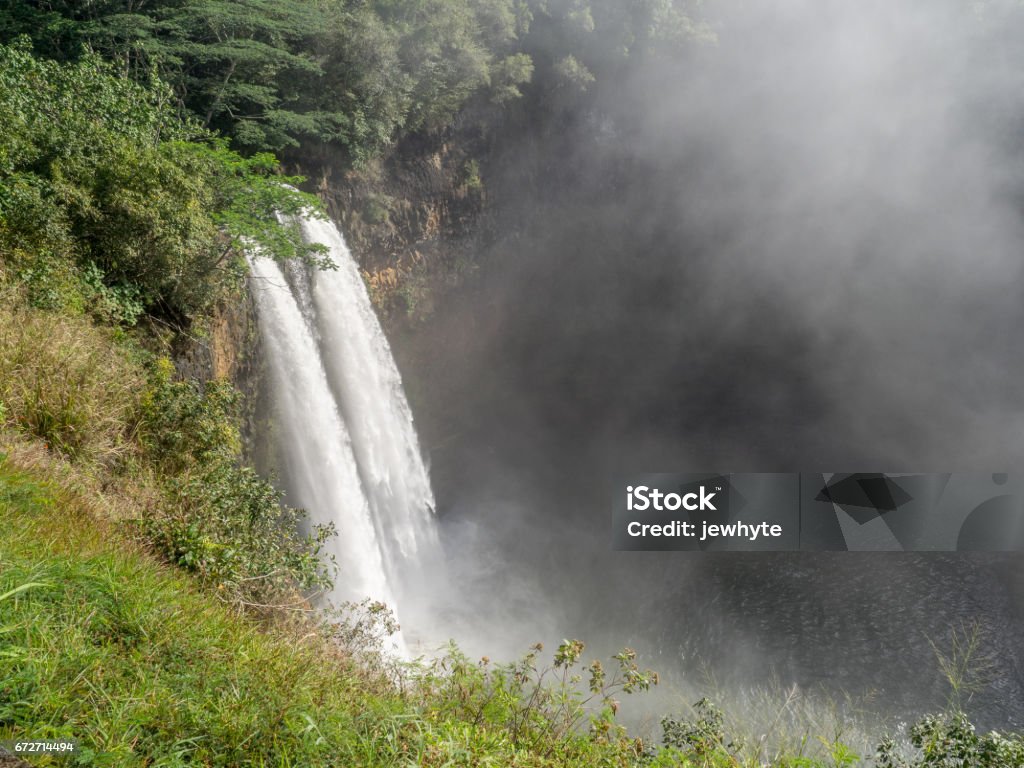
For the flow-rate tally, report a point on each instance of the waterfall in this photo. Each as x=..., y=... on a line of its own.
x=342, y=428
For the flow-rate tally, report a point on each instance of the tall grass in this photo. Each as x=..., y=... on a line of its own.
x=67, y=381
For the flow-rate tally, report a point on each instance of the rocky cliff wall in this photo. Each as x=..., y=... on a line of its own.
x=225, y=346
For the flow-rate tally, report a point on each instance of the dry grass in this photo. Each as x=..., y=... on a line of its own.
x=66, y=381
x=110, y=497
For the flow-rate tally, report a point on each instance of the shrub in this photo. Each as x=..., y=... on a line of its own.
x=538, y=706
x=225, y=524
x=85, y=392
x=110, y=201
x=221, y=520
x=703, y=740
x=951, y=741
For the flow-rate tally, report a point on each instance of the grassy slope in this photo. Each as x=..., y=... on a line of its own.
x=126, y=655
x=129, y=657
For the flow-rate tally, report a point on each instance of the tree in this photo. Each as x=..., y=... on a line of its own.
x=103, y=187
x=279, y=74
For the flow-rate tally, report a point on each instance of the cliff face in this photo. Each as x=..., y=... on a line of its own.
x=225, y=346
x=416, y=220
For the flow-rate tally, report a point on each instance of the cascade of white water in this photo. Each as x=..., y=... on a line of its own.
x=368, y=389
x=343, y=429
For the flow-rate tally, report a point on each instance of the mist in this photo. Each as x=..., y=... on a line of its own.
x=792, y=247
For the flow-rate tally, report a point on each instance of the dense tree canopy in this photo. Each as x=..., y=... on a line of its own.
x=274, y=74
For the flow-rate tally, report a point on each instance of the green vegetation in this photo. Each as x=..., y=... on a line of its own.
x=220, y=520
x=106, y=646
x=66, y=381
x=111, y=204
x=354, y=76
x=947, y=741
x=114, y=210
x=95, y=398
x=154, y=594
x=272, y=74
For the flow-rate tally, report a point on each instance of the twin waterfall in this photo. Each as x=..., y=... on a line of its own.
x=342, y=430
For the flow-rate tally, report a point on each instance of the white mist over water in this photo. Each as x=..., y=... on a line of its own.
x=343, y=430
